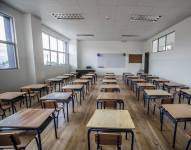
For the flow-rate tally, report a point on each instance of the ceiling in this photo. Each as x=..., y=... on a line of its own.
x=96, y=12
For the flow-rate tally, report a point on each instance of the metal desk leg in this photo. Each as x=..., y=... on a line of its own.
x=174, y=134
x=89, y=131
x=83, y=91
x=55, y=128
x=138, y=93
x=67, y=112
x=148, y=105
x=39, y=140
x=132, y=140
x=26, y=102
x=72, y=103
x=80, y=97
x=161, y=118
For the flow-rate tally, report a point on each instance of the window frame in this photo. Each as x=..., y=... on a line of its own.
x=157, y=39
x=14, y=43
x=64, y=52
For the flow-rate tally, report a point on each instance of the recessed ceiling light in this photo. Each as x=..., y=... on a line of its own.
x=90, y=35
x=67, y=16
x=145, y=18
x=107, y=17
x=129, y=35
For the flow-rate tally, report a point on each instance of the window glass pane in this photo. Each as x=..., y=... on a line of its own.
x=6, y=29
x=2, y=29
x=46, y=57
x=155, y=46
x=60, y=46
x=53, y=57
x=53, y=43
x=170, y=41
x=45, y=41
x=162, y=42
x=61, y=58
x=7, y=56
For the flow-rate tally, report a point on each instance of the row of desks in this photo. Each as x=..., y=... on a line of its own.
x=175, y=112
x=106, y=120
x=37, y=119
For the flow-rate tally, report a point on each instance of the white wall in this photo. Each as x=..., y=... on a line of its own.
x=73, y=60
x=31, y=69
x=174, y=65
x=87, y=54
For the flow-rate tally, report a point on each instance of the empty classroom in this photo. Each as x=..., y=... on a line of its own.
x=95, y=74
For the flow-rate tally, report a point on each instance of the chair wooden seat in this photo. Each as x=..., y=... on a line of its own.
x=159, y=103
x=4, y=108
x=108, y=139
x=22, y=139
x=48, y=104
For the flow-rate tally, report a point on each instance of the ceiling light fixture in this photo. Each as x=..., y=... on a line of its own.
x=145, y=18
x=128, y=35
x=67, y=16
x=90, y=35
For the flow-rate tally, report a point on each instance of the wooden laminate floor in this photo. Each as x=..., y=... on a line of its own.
x=73, y=135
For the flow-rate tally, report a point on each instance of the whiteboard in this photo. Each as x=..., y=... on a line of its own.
x=111, y=60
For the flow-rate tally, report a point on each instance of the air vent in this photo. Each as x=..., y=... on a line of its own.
x=87, y=35
x=72, y=16
x=128, y=35
x=145, y=18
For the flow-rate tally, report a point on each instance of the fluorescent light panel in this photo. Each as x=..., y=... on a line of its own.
x=68, y=16
x=145, y=18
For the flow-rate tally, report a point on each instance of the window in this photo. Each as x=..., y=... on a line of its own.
x=7, y=43
x=55, y=50
x=155, y=46
x=164, y=43
x=170, y=39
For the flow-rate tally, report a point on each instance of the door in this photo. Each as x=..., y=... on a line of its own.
x=146, y=65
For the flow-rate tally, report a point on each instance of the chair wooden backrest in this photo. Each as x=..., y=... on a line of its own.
x=9, y=140
x=67, y=90
x=49, y=104
x=167, y=101
x=108, y=139
x=149, y=88
x=111, y=104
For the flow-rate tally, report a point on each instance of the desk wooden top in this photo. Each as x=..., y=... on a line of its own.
x=108, y=73
x=34, y=86
x=172, y=84
x=152, y=77
x=178, y=111
x=186, y=91
x=11, y=95
x=57, y=96
x=68, y=74
x=109, y=81
x=89, y=74
x=54, y=80
x=133, y=77
x=157, y=93
x=73, y=86
x=138, y=80
x=110, y=96
x=109, y=77
x=26, y=118
x=160, y=80
x=109, y=86
x=86, y=77
x=145, y=85
x=62, y=77
x=115, y=119
x=81, y=81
